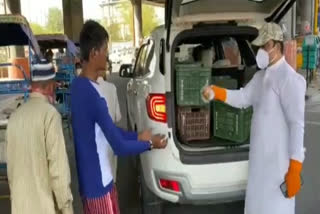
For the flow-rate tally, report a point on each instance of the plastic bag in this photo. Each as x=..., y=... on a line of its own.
x=231, y=51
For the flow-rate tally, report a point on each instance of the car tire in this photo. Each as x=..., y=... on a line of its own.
x=150, y=203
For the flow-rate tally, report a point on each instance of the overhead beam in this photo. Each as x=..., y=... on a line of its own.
x=14, y=6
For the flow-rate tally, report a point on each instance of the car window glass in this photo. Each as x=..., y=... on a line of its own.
x=143, y=59
x=148, y=57
x=139, y=61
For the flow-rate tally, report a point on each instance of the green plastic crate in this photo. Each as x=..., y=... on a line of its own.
x=190, y=79
x=231, y=123
x=225, y=82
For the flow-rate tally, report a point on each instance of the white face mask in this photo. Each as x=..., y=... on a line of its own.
x=263, y=59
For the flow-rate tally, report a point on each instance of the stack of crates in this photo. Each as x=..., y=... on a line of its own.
x=193, y=113
x=225, y=82
x=194, y=123
x=65, y=75
x=231, y=124
x=310, y=52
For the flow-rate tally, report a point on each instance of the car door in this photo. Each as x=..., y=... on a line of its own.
x=134, y=85
x=142, y=84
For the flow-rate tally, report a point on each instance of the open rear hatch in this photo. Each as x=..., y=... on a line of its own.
x=202, y=45
x=215, y=11
x=214, y=21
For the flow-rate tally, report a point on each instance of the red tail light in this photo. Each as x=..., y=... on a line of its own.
x=170, y=185
x=156, y=106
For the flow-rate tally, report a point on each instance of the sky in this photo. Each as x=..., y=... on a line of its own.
x=36, y=10
x=91, y=9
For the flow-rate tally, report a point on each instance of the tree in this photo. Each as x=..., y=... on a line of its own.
x=37, y=29
x=113, y=30
x=127, y=13
x=54, y=21
x=149, y=19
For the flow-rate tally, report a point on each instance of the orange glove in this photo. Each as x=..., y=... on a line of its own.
x=220, y=93
x=293, y=179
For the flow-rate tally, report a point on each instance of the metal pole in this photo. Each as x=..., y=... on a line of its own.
x=316, y=11
x=137, y=5
x=133, y=25
x=308, y=78
x=294, y=21
x=312, y=16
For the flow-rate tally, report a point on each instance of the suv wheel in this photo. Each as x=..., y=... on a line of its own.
x=150, y=203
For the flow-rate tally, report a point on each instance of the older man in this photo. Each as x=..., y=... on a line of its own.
x=38, y=168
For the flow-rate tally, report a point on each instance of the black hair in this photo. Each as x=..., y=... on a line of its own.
x=92, y=36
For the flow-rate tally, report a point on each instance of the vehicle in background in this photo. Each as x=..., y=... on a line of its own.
x=15, y=74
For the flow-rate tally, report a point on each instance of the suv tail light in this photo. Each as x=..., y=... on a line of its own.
x=156, y=106
x=170, y=185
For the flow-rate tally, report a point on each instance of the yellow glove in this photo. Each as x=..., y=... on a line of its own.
x=293, y=179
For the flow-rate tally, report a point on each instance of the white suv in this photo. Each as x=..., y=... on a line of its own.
x=195, y=172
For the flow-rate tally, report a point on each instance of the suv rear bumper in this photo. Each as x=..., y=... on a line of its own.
x=199, y=196
x=199, y=184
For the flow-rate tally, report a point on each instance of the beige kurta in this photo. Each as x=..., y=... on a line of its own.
x=38, y=168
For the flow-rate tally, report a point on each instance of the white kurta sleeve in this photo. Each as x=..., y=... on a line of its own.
x=243, y=98
x=117, y=106
x=292, y=96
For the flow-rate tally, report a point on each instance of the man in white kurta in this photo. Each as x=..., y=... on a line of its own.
x=109, y=92
x=277, y=94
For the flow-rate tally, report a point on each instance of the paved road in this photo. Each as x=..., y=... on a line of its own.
x=307, y=202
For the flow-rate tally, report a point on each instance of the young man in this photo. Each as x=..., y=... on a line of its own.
x=89, y=112
x=38, y=167
x=109, y=92
x=277, y=94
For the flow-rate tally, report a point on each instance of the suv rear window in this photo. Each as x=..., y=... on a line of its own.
x=220, y=53
x=231, y=51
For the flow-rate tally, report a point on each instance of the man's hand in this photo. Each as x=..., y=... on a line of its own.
x=293, y=179
x=145, y=135
x=159, y=141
